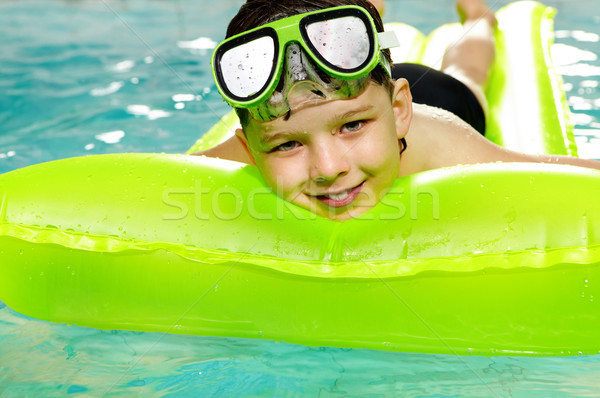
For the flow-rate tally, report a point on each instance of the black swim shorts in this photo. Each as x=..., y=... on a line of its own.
x=432, y=87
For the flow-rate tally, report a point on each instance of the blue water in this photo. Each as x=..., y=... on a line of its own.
x=86, y=77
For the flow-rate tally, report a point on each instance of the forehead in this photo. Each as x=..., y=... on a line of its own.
x=374, y=99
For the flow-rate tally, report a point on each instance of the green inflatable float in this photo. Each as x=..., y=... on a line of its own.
x=494, y=259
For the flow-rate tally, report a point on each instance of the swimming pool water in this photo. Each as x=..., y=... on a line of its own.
x=91, y=77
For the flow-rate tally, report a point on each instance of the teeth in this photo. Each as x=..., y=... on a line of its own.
x=339, y=196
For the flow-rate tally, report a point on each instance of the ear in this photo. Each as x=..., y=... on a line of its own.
x=402, y=106
x=241, y=136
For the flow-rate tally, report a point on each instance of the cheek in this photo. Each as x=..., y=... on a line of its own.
x=381, y=151
x=279, y=174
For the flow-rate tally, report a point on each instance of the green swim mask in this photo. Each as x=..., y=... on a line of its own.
x=342, y=41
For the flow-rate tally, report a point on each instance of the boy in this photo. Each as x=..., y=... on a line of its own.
x=333, y=145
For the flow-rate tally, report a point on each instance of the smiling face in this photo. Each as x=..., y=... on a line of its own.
x=335, y=158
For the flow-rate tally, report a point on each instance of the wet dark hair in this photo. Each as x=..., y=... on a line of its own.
x=255, y=13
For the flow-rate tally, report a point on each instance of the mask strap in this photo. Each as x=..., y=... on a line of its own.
x=388, y=40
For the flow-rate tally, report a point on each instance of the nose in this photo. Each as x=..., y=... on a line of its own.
x=328, y=163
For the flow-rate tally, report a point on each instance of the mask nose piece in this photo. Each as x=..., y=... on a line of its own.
x=307, y=87
x=305, y=92
x=302, y=84
x=295, y=63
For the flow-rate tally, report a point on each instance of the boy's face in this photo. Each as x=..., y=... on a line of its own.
x=335, y=158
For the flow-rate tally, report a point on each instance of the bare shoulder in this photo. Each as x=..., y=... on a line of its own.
x=438, y=138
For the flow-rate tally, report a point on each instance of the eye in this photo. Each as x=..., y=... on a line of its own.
x=353, y=126
x=286, y=146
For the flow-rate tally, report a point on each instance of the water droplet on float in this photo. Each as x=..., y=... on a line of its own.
x=241, y=67
x=348, y=30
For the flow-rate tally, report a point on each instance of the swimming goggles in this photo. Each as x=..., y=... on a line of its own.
x=341, y=41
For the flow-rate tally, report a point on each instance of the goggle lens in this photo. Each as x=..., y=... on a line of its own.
x=343, y=42
x=245, y=69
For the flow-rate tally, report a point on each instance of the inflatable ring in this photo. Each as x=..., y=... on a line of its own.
x=494, y=259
